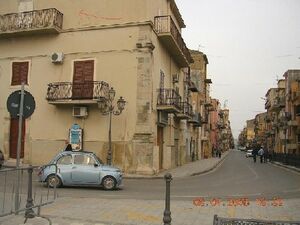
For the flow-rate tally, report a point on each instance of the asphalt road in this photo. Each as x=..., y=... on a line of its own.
x=237, y=176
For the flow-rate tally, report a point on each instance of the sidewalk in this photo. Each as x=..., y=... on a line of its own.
x=190, y=169
x=94, y=211
x=285, y=166
x=77, y=211
x=90, y=211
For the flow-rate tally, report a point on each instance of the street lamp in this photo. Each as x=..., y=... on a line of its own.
x=107, y=107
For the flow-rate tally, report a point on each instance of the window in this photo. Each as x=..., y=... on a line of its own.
x=19, y=73
x=84, y=160
x=65, y=160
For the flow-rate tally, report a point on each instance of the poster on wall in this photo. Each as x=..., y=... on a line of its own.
x=75, y=135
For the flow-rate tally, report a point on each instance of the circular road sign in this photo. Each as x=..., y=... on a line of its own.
x=13, y=104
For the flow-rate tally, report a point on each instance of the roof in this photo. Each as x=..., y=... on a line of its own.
x=177, y=14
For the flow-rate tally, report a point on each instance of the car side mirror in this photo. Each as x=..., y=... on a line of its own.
x=96, y=165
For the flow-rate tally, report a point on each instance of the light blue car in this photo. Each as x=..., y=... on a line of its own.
x=80, y=168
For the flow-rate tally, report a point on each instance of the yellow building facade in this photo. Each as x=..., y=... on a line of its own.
x=70, y=57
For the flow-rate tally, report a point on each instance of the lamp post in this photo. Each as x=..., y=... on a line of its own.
x=107, y=107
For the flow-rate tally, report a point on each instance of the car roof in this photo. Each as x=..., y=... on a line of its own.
x=75, y=152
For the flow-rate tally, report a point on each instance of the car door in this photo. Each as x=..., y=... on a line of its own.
x=84, y=170
x=64, y=168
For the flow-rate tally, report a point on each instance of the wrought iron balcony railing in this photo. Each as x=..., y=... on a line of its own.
x=166, y=25
x=186, y=111
x=186, y=108
x=60, y=91
x=168, y=99
x=196, y=120
x=48, y=20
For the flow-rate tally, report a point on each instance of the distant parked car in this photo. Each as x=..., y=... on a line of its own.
x=242, y=148
x=80, y=168
x=249, y=153
x=1, y=158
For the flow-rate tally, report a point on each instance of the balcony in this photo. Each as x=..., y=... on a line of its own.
x=37, y=21
x=171, y=38
x=76, y=93
x=221, y=125
x=292, y=146
x=268, y=104
x=205, y=119
x=186, y=111
x=196, y=120
x=168, y=100
x=293, y=123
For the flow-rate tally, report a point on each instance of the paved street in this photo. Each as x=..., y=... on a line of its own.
x=236, y=176
x=235, y=188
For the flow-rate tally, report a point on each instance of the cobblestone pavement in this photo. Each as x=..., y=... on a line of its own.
x=95, y=211
x=77, y=211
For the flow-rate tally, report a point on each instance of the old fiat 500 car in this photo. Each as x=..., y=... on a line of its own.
x=80, y=168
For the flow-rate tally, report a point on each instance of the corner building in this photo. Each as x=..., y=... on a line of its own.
x=70, y=53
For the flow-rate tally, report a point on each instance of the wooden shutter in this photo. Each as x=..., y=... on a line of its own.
x=83, y=79
x=19, y=73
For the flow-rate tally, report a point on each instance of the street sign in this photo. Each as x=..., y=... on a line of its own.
x=13, y=104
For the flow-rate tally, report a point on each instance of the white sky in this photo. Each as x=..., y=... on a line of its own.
x=249, y=45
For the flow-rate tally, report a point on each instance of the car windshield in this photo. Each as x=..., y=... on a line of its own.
x=100, y=161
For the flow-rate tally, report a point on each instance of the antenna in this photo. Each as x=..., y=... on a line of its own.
x=225, y=104
x=200, y=46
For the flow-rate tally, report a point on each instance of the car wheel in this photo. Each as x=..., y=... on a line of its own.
x=53, y=181
x=109, y=183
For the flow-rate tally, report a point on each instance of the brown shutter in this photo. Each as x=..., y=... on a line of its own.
x=19, y=73
x=83, y=79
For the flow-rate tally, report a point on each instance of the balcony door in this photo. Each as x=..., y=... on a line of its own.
x=83, y=79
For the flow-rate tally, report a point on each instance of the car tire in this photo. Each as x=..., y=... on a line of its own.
x=109, y=183
x=53, y=181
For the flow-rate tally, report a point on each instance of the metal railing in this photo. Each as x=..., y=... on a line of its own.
x=168, y=97
x=288, y=159
x=20, y=190
x=186, y=108
x=92, y=90
x=31, y=20
x=165, y=24
x=196, y=120
x=239, y=221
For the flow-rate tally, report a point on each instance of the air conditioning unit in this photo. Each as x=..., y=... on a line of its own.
x=80, y=111
x=57, y=57
x=162, y=118
x=175, y=78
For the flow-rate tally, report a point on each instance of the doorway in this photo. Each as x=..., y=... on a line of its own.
x=160, y=143
x=13, y=138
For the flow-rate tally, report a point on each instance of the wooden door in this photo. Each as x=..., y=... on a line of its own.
x=160, y=143
x=83, y=79
x=13, y=139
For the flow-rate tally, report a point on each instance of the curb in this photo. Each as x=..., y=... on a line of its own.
x=286, y=166
x=143, y=177
x=193, y=174
x=210, y=169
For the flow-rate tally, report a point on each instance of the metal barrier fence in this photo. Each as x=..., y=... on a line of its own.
x=288, y=159
x=237, y=221
x=20, y=190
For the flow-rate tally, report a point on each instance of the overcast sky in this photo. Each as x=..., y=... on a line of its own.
x=249, y=44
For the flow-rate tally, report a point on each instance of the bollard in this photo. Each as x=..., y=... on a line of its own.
x=167, y=213
x=29, y=213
